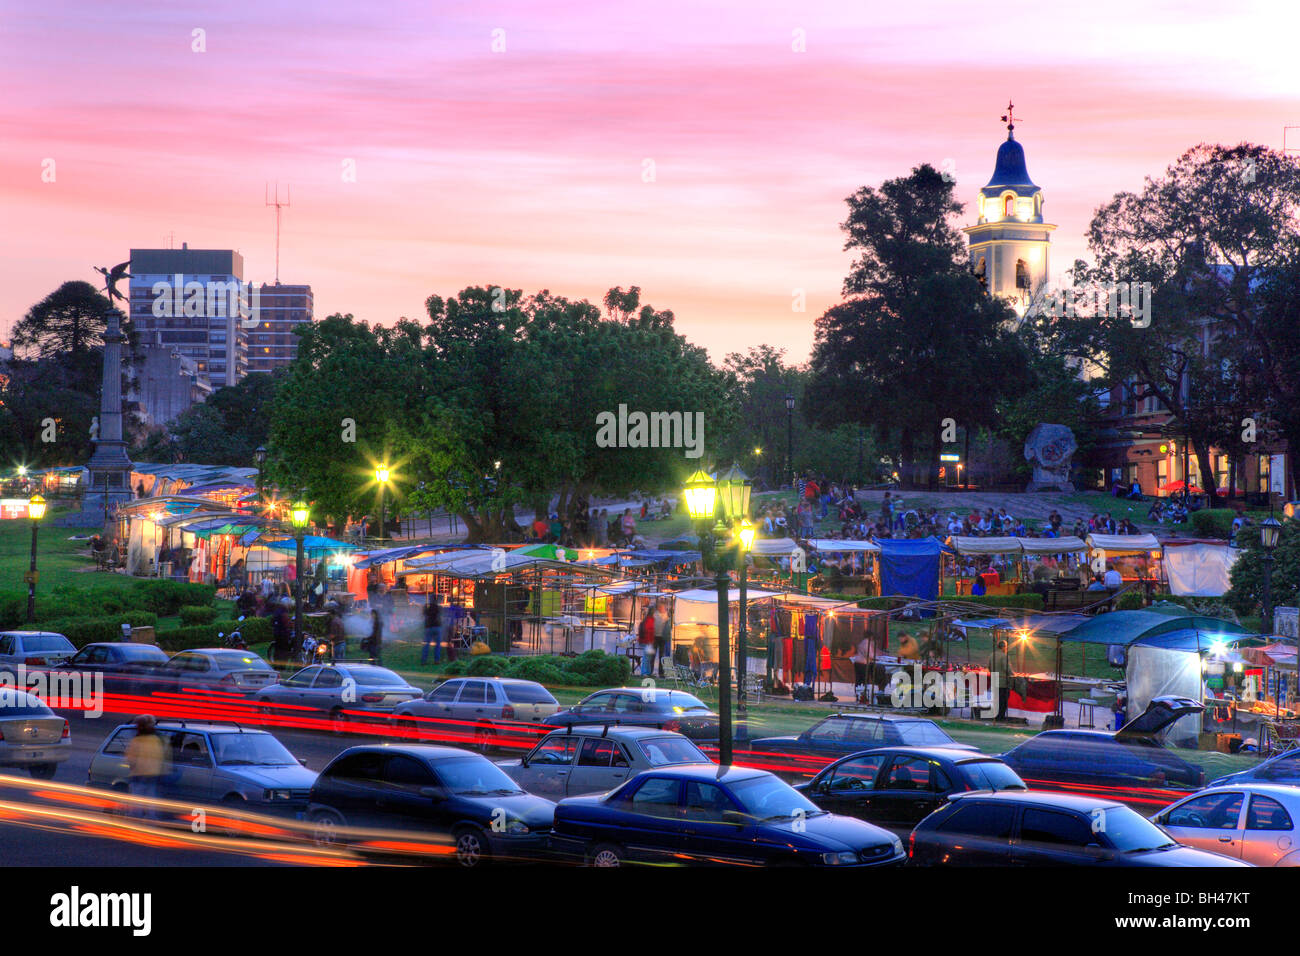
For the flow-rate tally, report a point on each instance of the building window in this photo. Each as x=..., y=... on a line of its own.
x=1022, y=274
x=1009, y=206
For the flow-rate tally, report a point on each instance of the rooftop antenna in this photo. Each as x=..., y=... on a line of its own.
x=171, y=239
x=278, y=206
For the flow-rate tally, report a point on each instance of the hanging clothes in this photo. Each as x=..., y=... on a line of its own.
x=811, y=647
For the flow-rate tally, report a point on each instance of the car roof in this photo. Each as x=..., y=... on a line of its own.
x=430, y=752
x=1279, y=790
x=708, y=771
x=1041, y=798
x=884, y=718
x=956, y=755
x=494, y=680
x=641, y=690
x=20, y=698
x=621, y=732
x=211, y=726
x=32, y=634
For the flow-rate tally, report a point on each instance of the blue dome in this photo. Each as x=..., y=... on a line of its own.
x=1010, y=171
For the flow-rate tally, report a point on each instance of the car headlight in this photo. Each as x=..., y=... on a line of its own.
x=898, y=845
x=517, y=827
x=840, y=859
x=272, y=795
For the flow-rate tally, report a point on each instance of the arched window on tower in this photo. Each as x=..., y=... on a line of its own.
x=1009, y=206
x=1022, y=275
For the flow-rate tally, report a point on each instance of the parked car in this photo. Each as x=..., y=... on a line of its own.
x=33, y=649
x=1029, y=828
x=1254, y=822
x=707, y=814
x=442, y=790
x=1282, y=769
x=32, y=735
x=841, y=734
x=477, y=709
x=118, y=662
x=673, y=710
x=212, y=763
x=898, y=787
x=211, y=669
x=1131, y=758
x=335, y=690
x=568, y=763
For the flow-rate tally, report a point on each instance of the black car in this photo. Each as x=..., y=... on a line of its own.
x=1132, y=758
x=897, y=787
x=711, y=815
x=431, y=790
x=672, y=710
x=1027, y=828
x=118, y=662
x=842, y=734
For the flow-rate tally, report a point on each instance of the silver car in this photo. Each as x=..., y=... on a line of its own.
x=335, y=690
x=31, y=735
x=33, y=648
x=479, y=710
x=213, y=763
x=569, y=763
x=1254, y=822
x=220, y=670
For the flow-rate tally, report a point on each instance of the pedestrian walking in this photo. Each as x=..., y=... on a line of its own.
x=1000, y=670
x=145, y=760
x=646, y=638
x=376, y=636
x=432, y=630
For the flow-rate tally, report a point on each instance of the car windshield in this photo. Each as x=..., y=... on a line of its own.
x=528, y=694
x=241, y=662
x=1128, y=831
x=768, y=798
x=375, y=676
x=141, y=652
x=917, y=733
x=474, y=777
x=51, y=642
x=250, y=750
x=992, y=775
x=662, y=751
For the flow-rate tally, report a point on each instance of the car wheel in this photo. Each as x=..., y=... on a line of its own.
x=471, y=847
x=485, y=740
x=325, y=826
x=605, y=854
x=43, y=771
x=338, y=721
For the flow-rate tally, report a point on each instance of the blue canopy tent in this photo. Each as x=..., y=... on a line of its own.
x=909, y=567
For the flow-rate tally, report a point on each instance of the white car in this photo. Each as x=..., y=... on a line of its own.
x=34, y=649
x=477, y=710
x=32, y=735
x=1254, y=822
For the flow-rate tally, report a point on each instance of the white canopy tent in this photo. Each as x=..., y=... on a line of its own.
x=768, y=547
x=1116, y=545
x=835, y=546
x=1200, y=568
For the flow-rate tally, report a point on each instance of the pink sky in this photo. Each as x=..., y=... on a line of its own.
x=524, y=168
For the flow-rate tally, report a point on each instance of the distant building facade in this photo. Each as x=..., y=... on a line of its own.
x=272, y=343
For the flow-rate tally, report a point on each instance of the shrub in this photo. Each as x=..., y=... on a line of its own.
x=191, y=615
x=92, y=630
x=454, y=668
x=488, y=665
x=1130, y=601
x=1213, y=522
x=166, y=597
x=597, y=669
x=538, y=669
x=254, y=630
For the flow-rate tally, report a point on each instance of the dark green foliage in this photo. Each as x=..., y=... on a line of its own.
x=488, y=665
x=1213, y=522
x=92, y=630
x=1247, y=591
x=197, y=615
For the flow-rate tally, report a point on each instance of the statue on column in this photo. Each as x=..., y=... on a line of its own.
x=112, y=277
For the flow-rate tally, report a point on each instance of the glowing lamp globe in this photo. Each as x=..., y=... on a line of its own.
x=298, y=515
x=700, y=492
x=36, y=507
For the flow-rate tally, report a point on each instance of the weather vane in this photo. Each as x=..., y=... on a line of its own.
x=1009, y=118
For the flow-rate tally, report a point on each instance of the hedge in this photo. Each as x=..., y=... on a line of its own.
x=254, y=630
x=158, y=596
x=191, y=615
x=589, y=669
x=1213, y=522
x=92, y=630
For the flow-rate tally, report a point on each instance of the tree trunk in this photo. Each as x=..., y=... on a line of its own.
x=1208, y=477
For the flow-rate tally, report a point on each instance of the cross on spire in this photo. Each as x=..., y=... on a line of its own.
x=1010, y=119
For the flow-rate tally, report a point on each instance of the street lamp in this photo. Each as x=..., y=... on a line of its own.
x=35, y=511
x=789, y=437
x=1269, y=531
x=381, y=476
x=298, y=516
x=259, y=459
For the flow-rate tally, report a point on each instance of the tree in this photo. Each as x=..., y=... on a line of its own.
x=226, y=429
x=1246, y=594
x=1207, y=236
x=916, y=342
x=70, y=320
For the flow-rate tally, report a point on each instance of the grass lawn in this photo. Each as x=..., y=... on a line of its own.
x=60, y=559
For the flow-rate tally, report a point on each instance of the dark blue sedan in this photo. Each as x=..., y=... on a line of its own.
x=706, y=814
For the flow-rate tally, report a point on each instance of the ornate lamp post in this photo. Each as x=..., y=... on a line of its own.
x=1269, y=531
x=298, y=516
x=789, y=438
x=35, y=511
x=702, y=503
x=259, y=459
x=381, y=476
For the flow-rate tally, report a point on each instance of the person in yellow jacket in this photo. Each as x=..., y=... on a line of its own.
x=146, y=760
